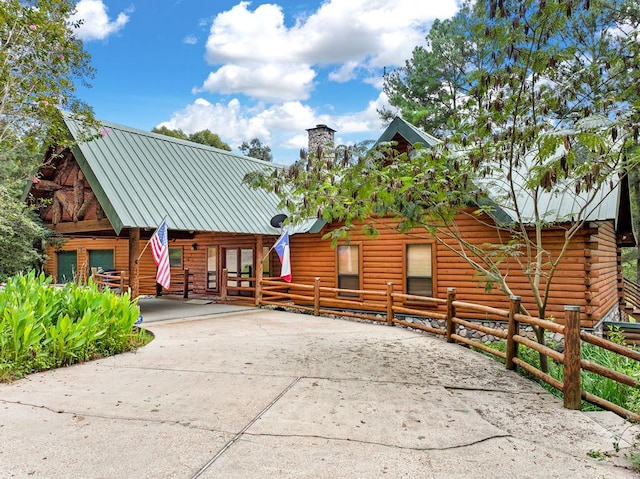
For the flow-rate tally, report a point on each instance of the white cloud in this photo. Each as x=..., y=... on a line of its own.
x=281, y=126
x=345, y=73
x=190, y=40
x=257, y=54
x=353, y=37
x=266, y=82
x=96, y=24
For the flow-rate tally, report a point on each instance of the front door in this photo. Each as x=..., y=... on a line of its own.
x=239, y=262
x=67, y=266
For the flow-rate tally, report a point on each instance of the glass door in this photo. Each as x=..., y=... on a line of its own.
x=239, y=263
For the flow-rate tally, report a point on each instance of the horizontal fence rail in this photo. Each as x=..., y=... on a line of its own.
x=450, y=315
x=118, y=281
x=114, y=280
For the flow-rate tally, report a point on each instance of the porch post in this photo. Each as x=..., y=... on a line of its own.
x=134, y=270
x=259, y=270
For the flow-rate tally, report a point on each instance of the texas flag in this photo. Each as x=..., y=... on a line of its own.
x=282, y=248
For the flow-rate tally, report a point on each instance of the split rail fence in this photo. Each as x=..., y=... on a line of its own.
x=118, y=281
x=403, y=309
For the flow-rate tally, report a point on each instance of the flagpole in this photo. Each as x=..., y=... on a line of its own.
x=149, y=240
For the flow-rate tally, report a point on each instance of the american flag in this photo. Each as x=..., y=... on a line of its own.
x=160, y=250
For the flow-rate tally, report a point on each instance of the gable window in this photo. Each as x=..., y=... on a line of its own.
x=419, y=270
x=175, y=257
x=348, y=268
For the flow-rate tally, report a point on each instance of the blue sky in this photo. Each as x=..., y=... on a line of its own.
x=250, y=69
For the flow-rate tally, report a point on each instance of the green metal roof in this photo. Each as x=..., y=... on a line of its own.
x=611, y=202
x=140, y=177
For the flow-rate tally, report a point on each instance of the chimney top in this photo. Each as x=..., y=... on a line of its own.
x=321, y=126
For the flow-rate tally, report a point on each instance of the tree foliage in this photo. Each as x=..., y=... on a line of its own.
x=40, y=61
x=539, y=101
x=22, y=236
x=427, y=91
x=255, y=149
x=204, y=137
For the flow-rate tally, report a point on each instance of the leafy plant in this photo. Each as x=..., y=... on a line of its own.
x=42, y=326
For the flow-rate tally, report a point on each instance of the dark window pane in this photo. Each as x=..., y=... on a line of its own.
x=175, y=257
x=349, y=282
x=420, y=286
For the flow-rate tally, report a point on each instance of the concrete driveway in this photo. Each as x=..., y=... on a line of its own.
x=268, y=394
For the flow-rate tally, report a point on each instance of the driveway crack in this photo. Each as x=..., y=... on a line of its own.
x=243, y=431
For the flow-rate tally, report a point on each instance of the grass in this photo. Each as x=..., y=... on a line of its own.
x=620, y=394
x=45, y=327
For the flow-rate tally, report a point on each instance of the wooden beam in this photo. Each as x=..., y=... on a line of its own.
x=259, y=269
x=134, y=269
x=82, y=226
x=47, y=185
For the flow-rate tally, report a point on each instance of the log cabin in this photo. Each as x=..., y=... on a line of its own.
x=105, y=197
x=589, y=276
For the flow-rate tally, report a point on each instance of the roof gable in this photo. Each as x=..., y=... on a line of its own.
x=140, y=177
x=407, y=131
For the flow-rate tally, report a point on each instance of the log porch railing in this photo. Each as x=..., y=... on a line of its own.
x=400, y=308
x=119, y=281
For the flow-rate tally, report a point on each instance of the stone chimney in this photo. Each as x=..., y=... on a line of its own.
x=322, y=136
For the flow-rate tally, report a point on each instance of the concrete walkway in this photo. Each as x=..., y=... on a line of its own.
x=269, y=394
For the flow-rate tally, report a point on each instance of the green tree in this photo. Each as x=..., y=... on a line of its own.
x=204, y=137
x=255, y=149
x=40, y=61
x=21, y=236
x=427, y=91
x=163, y=130
x=549, y=107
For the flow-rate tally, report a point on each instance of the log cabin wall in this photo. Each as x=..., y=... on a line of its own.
x=604, y=270
x=193, y=253
x=591, y=255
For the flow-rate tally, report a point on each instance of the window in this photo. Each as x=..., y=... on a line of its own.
x=175, y=257
x=212, y=267
x=419, y=269
x=349, y=268
x=101, y=258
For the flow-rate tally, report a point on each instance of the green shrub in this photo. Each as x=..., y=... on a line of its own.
x=44, y=327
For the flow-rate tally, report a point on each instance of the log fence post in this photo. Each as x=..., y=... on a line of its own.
x=316, y=296
x=451, y=313
x=572, y=388
x=512, y=329
x=223, y=284
x=390, y=315
x=259, y=286
x=185, y=290
x=259, y=270
x=122, y=282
